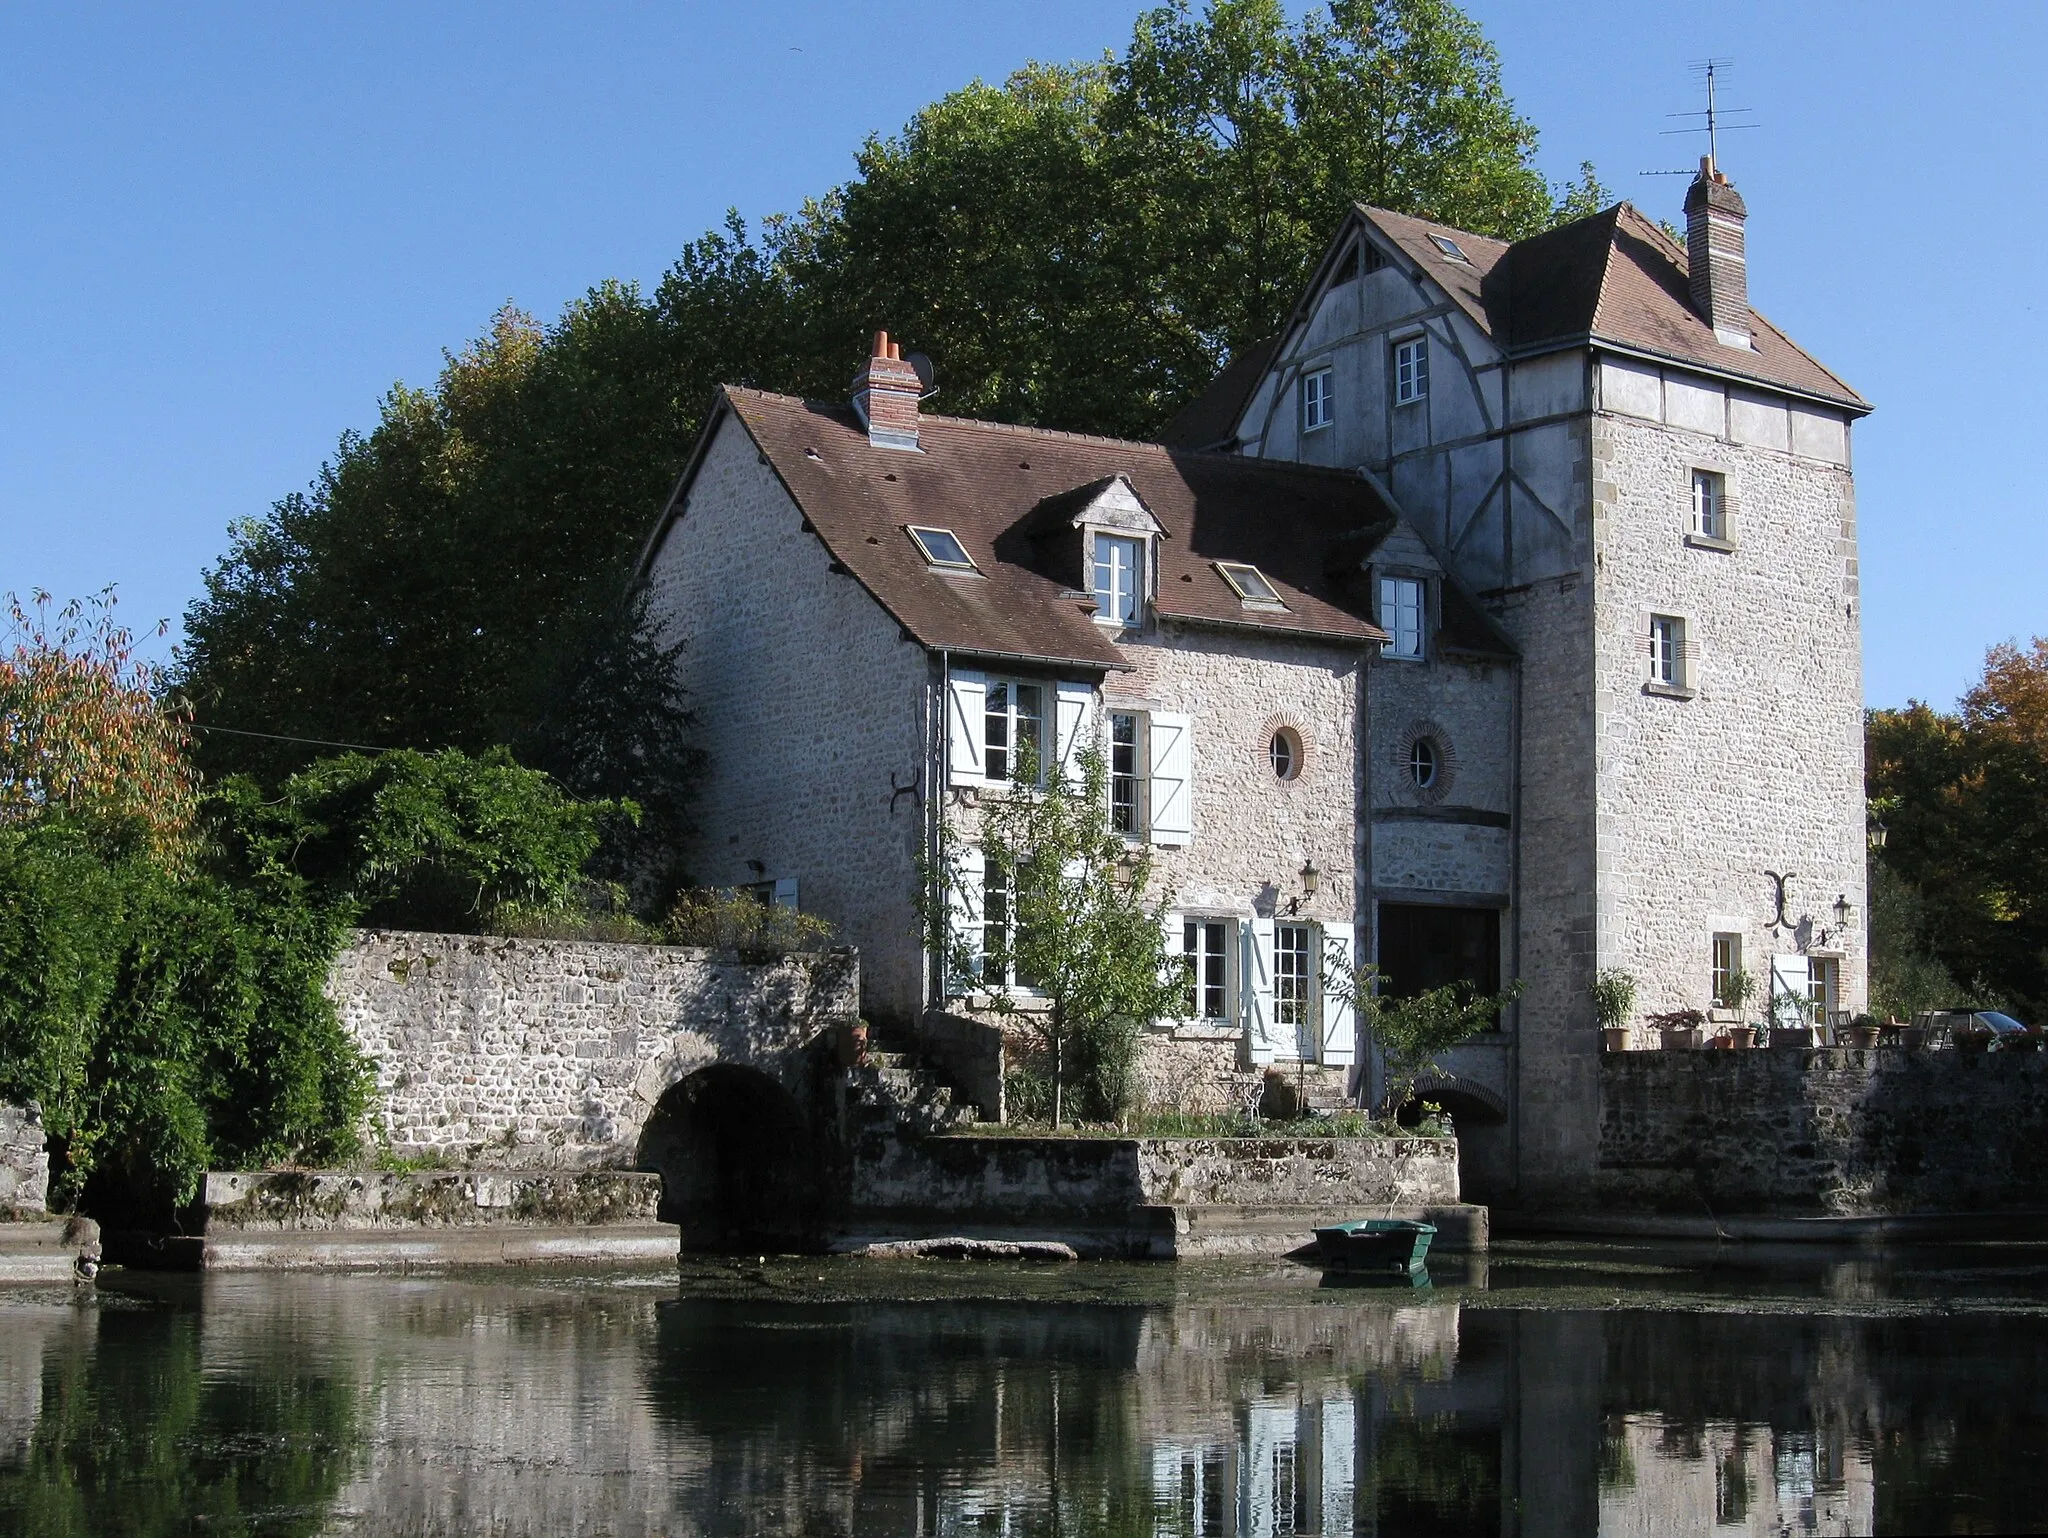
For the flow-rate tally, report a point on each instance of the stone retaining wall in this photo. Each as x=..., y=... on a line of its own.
x=1833, y=1131
x=531, y=1054
x=24, y=1166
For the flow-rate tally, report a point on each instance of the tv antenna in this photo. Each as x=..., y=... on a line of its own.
x=1709, y=70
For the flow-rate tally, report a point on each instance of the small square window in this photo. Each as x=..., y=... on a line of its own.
x=1451, y=248
x=1315, y=400
x=942, y=548
x=1115, y=578
x=1401, y=614
x=1709, y=504
x=1667, y=651
x=1248, y=582
x=1411, y=370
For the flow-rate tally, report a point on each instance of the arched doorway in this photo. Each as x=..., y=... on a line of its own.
x=1479, y=1120
x=736, y=1159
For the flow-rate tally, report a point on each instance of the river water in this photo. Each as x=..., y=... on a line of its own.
x=1547, y=1389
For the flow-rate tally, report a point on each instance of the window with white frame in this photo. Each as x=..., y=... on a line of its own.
x=995, y=949
x=1013, y=719
x=1294, y=983
x=1116, y=571
x=1709, y=504
x=1127, y=772
x=1205, y=951
x=1667, y=651
x=1411, y=370
x=1401, y=612
x=1727, y=966
x=1822, y=973
x=1315, y=400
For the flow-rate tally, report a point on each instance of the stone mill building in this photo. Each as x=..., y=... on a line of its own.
x=1496, y=620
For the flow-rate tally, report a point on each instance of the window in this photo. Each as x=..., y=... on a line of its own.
x=942, y=548
x=1667, y=651
x=1249, y=583
x=1727, y=963
x=995, y=961
x=1284, y=753
x=1294, y=981
x=1014, y=716
x=1821, y=972
x=1401, y=616
x=1422, y=763
x=1315, y=400
x=1205, y=948
x=1451, y=248
x=1115, y=583
x=1411, y=370
x=1126, y=778
x=1709, y=504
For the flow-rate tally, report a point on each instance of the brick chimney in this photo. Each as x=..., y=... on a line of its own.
x=1714, y=215
x=885, y=393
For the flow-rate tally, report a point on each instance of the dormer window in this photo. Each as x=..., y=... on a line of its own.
x=1250, y=585
x=942, y=549
x=1402, y=607
x=1116, y=578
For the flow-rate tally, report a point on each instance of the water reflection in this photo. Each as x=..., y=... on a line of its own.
x=1554, y=1393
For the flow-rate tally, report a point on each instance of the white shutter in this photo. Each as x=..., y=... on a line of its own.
x=1073, y=728
x=785, y=892
x=966, y=725
x=1255, y=986
x=964, y=908
x=1340, y=1025
x=1175, y=926
x=1789, y=978
x=1172, y=820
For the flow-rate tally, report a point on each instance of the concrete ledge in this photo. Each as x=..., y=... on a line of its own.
x=310, y=1201
x=1153, y=1232
x=56, y=1250
x=1898, y=1228
x=650, y=1244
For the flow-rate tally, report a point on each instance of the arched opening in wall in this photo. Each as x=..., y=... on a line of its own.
x=1486, y=1171
x=737, y=1162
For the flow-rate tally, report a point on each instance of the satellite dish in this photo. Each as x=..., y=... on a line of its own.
x=927, y=371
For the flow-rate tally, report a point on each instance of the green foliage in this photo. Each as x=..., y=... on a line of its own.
x=1964, y=797
x=1079, y=247
x=166, y=1023
x=1737, y=989
x=1411, y=1031
x=1613, y=992
x=1080, y=933
x=437, y=841
x=744, y=925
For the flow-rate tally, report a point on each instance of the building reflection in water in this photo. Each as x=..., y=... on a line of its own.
x=389, y=1406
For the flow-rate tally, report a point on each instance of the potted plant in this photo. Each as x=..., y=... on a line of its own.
x=1681, y=1028
x=1861, y=1032
x=1614, y=1000
x=1791, y=1021
x=1737, y=989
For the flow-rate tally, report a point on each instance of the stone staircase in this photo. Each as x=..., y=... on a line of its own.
x=893, y=1084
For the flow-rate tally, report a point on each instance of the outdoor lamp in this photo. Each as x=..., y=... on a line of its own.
x=1310, y=878
x=1877, y=835
x=1842, y=911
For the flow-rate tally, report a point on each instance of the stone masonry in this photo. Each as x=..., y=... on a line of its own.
x=24, y=1167
x=534, y=1054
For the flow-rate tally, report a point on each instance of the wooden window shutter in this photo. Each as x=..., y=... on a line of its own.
x=963, y=929
x=1073, y=728
x=1339, y=1023
x=966, y=700
x=1172, y=820
x=1255, y=987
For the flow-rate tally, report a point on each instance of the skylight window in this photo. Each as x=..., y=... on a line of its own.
x=942, y=548
x=1450, y=248
x=1248, y=582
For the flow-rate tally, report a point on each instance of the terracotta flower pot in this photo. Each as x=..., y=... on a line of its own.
x=1741, y=1036
x=1615, y=1037
x=1862, y=1037
x=1681, y=1038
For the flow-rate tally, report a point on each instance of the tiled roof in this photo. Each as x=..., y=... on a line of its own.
x=1306, y=528
x=1614, y=276
x=1211, y=417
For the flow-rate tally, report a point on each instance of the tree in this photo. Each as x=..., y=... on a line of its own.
x=1079, y=247
x=1053, y=901
x=82, y=732
x=1410, y=1031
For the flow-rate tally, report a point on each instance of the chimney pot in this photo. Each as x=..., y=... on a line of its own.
x=885, y=394
x=1717, y=272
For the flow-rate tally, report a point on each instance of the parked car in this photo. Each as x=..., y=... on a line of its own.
x=1994, y=1028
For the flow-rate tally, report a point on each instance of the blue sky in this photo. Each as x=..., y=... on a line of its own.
x=229, y=229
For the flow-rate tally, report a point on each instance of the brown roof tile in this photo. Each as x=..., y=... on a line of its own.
x=990, y=483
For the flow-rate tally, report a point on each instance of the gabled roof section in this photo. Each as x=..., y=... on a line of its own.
x=1210, y=419
x=1612, y=277
x=993, y=486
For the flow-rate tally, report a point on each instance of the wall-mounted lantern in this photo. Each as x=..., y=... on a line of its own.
x=1311, y=878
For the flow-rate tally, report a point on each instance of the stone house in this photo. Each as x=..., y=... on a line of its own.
x=1512, y=587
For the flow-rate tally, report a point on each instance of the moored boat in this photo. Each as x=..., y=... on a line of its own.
x=1376, y=1244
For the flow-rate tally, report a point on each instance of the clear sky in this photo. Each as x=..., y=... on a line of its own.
x=226, y=230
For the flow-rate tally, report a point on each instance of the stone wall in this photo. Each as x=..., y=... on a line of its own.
x=24, y=1166
x=551, y=1054
x=1833, y=1131
x=810, y=708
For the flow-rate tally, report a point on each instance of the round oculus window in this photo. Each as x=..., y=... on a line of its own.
x=1284, y=751
x=1423, y=763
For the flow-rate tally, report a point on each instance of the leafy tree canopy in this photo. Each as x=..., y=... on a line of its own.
x=1079, y=247
x=1964, y=797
